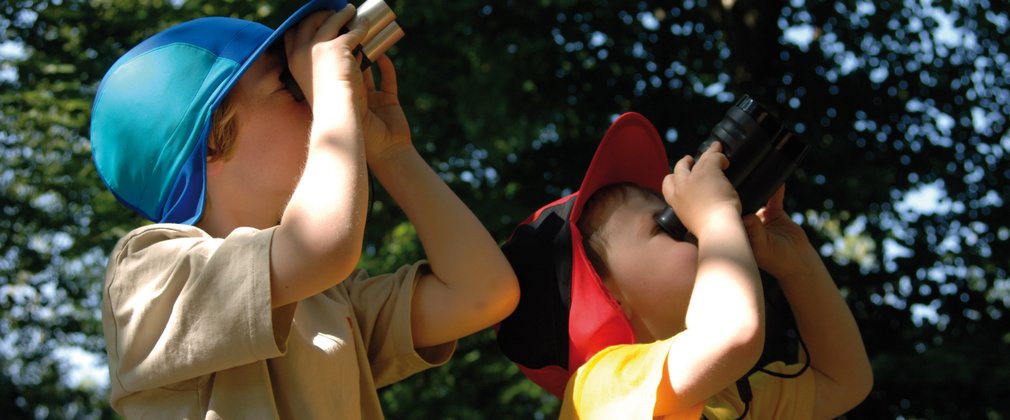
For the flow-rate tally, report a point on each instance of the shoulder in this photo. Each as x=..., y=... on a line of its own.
x=176, y=237
x=618, y=382
x=151, y=250
x=147, y=236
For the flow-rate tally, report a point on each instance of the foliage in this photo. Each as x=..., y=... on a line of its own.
x=905, y=102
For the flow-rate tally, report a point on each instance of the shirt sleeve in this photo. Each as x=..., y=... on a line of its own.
x=620, y=382
x=179, y=304
x=382, y=307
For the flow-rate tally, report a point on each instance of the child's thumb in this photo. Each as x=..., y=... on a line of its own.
x=753, y=225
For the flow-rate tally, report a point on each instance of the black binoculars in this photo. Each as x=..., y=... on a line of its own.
x=762, y=154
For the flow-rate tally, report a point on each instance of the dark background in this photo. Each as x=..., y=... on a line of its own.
x=904, y=102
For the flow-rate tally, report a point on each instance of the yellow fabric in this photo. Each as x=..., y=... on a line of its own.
x=621, y=382
x=773, y=397
x=191, y=334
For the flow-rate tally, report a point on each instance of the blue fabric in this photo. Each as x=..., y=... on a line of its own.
x=152, y=112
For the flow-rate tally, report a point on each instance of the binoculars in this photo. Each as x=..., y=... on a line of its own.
x=383, y=33
x=762, y=154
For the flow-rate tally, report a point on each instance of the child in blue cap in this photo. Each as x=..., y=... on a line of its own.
x=242, y=300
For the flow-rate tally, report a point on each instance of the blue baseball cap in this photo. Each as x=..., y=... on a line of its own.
x=152, y=113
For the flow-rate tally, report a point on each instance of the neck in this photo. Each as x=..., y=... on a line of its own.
x=220, y=221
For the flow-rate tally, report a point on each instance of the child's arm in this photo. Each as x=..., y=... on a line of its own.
x=724, y=325
x=318, y=241
x=841, y=368
x=471, y=285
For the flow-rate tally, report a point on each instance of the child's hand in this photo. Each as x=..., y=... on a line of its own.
x=323, y=63
x=776, y=240
x=385, y=126
x=841, y=368
x=700, y=193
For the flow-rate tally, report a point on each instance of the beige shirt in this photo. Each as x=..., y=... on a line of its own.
x=191, y=333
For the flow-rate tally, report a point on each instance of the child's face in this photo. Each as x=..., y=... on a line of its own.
x=272, y=137
x=651, y=274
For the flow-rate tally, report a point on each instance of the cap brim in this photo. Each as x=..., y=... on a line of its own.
x=566, y=315
x=631, y=151
x=296, y=17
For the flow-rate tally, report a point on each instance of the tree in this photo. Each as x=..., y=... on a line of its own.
x=905, y=103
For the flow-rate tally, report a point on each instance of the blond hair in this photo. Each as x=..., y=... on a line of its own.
x=223, y=130
x=595, y=213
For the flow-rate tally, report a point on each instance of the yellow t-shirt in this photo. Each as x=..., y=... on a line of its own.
x=621, y=382
x=191, y=333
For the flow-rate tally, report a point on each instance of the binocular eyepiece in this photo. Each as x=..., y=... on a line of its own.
x=762, y=154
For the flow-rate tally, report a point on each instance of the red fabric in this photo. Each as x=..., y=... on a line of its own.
x=631, y=151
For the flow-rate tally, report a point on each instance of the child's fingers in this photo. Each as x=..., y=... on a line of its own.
x=773, y=209
x=369, y=79
x=330, y=28
x=289, y=43
x=683, y=167
x=714, y=153
x=755, y=231
x=356, y=32
x=681, y=172
x=298, y=39
x=775, y=202
x=669, y=187
x=712, y=160
x=308, y=27
x=388, y=72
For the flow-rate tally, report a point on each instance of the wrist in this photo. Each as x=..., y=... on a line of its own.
x=717, y=219
x=803, y=263
x=336, y=136
x=341, y=102
x=382, y=161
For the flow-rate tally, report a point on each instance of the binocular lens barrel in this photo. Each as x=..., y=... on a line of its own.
x=378, y=14
x=762, y=154
x=380, y=43
x=744, y=139
x=772, y=172
x=383, y=32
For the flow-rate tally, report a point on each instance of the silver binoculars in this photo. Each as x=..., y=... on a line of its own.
x=383, y=32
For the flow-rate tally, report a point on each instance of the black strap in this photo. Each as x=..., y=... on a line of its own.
x=743, y=388
x=743, y=384
x=806, y=364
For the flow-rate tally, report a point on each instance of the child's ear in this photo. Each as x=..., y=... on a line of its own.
x=615, y=292
x=611, y=288
x=214, y=166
